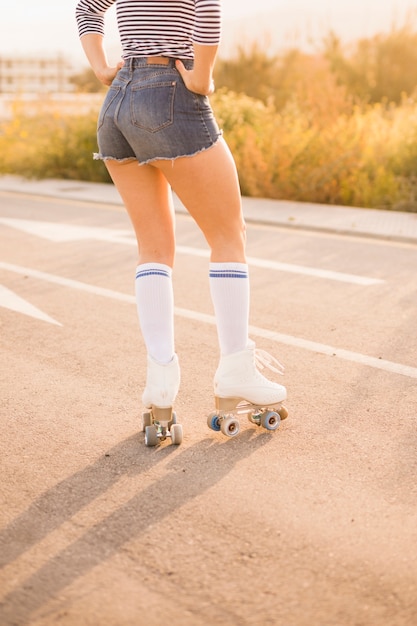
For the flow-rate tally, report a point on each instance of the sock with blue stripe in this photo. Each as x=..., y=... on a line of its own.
x=229, y=288
x=155, y=306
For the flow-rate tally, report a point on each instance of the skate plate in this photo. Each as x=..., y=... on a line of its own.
x=225, y=417
x=159, y=425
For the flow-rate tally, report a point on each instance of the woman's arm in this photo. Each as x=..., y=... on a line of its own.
x=206, y=39
x=200, y=78
x=90, y=20
x=92, y=44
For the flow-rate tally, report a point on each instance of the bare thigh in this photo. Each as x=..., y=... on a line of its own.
x=207, y=184
x=147, y=197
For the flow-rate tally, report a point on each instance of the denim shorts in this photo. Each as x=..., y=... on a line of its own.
x=148, y=114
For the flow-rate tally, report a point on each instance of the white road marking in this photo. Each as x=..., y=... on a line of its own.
x=60, y=233
x=10, y=300
x=56, y=232
x=312, y=346
x=294, y=269
x=67, y=282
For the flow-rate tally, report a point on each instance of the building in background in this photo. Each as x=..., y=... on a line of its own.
x=30, y=75
x=34, y=86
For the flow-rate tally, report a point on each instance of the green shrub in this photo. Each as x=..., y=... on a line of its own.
x=47, y=144
x=381, y=68
x=364, y=159
x=310, y=140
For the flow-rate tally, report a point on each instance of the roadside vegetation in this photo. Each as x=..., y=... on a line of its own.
x=338, y=126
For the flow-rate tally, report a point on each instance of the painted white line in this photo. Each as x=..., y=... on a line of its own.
x=304, y=344
x=293, y=269
x=67, y=282
x=62, y=233
x=312, y=346
x=346, y=355
x=10, y=300
x=316, y=272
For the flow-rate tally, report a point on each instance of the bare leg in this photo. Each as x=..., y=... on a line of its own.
x=207, y=184
x=147, y=197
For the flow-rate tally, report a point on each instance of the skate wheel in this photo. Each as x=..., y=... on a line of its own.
x=146, y=420
x=213, y=422
x=151, y=435
x=270, y=420
x=176, y=434
x=229, y=426
x=283, y=413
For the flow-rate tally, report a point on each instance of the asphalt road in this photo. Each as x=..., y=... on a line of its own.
x=315, y=523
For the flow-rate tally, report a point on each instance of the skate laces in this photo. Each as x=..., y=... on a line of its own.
x=264, y=359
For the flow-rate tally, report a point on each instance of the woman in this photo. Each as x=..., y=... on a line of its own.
x=156, y=131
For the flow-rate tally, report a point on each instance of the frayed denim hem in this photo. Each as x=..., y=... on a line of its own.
x=99, y=157
x=180, y=156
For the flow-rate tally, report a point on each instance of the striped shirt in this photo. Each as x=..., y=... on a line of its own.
x=155, y=27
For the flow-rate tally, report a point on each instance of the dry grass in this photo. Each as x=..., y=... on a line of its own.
x=309, y=137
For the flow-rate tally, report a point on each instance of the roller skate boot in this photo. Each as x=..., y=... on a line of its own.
x=241, y=389
x=162, y=384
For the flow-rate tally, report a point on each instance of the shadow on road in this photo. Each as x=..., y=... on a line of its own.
x=191, y=472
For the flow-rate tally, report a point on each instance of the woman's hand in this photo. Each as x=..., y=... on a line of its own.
x=92, y=44
x=106, y=74
x=195, y=83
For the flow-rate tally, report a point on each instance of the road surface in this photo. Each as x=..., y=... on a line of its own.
x=315, y=523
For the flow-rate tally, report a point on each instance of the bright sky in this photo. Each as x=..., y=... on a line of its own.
x=34, y=27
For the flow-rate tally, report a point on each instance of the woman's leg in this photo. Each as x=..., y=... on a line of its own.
x=207, y=184
x=147, y=197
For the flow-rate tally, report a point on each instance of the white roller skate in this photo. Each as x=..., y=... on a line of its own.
x=162, y=384
x=240, y=389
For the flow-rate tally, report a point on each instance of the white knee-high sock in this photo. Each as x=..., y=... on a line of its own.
x=155, y=305
x=229, y=287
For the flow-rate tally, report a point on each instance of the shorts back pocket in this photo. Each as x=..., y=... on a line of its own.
x=152, y=105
